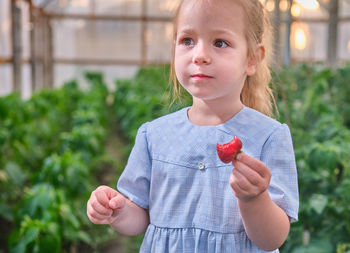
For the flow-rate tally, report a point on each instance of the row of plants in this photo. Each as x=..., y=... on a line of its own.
x=51, y=143
x=143, y=98
x=313, y=101
x=28, y=134
x=50, y=149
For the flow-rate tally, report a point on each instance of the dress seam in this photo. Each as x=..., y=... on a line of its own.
x=190, y=166
x=212, y=231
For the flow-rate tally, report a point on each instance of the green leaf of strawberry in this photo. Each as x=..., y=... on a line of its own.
x=227, y=152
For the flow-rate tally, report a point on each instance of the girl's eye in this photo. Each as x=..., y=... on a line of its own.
x=220, y=44
x=188, y=42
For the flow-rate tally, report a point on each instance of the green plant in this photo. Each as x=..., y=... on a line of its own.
x=313, y=101
x=51, y=143
x=145, y=97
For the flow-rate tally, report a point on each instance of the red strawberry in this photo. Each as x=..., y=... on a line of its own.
x=227, y=152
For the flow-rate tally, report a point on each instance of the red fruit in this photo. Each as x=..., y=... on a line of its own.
x=227, y=152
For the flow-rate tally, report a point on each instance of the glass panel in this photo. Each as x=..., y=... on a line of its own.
x=344, y=8
x=25, y=29
x=5, y=29
x=70, y=6
x=159, y=38
x=308, y=9
x=162, y=8
x=64, y=73
x=26, y=81
x=124, y=7
x=119, y=7
x=309, y=41
x=101, y=39
x=300, y=8
x=5, y=79
x=283, y=31
x=344, y=41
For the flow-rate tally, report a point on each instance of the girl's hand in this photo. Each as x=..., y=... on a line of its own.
x=250, y=177
x=104, y=205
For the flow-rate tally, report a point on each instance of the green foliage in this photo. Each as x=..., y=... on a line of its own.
x=314, y=102
x=66, y=171
x=48, y=147
x=144, y=98
x=36, y=236
x=50, y=144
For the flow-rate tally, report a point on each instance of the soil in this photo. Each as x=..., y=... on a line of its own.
x=115, y=246
x=6, y=228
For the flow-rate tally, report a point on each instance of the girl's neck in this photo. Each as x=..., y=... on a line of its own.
x=203, y=113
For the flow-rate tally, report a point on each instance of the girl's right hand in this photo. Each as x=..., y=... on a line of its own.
x=105, y=205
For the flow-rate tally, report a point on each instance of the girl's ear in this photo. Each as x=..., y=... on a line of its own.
x=255, y=59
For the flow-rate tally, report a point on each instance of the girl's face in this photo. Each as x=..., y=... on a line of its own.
x=211, y=51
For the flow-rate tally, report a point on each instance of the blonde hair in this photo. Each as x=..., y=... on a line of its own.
x=256, y=92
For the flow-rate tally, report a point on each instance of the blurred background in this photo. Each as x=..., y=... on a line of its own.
x=78, y=77
x=44, y=43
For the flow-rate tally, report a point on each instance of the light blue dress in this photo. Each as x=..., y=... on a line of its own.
x=175, y=173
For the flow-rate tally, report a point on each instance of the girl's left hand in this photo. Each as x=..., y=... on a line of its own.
x=250, y=177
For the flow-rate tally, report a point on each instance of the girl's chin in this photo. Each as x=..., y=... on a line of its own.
x=214, y=97
x=203, y=92
x=200, y=94
x=206, y=97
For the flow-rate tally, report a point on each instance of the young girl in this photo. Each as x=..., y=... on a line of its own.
x=174, y=186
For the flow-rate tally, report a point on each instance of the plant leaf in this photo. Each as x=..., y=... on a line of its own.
x=318, y=202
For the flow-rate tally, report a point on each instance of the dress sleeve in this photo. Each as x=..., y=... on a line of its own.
x=278, y=156
x=134, y=182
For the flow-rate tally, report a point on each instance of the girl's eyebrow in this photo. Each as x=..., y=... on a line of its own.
x=220, y=31
x=186, y=31
x=223, y=32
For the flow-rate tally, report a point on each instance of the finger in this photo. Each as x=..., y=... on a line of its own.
x=102, y=197
x=97, y=221
x=251, y=175
x=237, y=190
x=93, y=215
x=100, y=208
x=117, y=202
x=240, y=182
x=254, y=163
x=111, y=193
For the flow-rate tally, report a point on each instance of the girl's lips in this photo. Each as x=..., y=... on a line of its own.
x=201, y=77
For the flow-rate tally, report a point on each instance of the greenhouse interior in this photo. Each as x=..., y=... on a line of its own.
x=78, y=78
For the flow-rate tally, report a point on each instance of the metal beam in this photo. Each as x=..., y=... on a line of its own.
x=333, y=33
x=46, y=3
x=33, y=66
x=94, y=61
x=287, y=51
x=143, y=37
x=16, y=34
x=48, y=73
x=5, y=60
x=276, y=24
x=8, y=60
x=108, y=17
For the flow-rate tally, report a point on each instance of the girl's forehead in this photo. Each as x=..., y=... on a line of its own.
x=208, y=13
x=209, y=6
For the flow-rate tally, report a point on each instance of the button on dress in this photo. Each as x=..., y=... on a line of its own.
x=174, y=172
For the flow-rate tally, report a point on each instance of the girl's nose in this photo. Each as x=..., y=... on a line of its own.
x=201, y=56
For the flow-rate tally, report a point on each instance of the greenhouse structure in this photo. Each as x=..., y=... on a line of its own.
x=44, y=43
x=82, y=80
